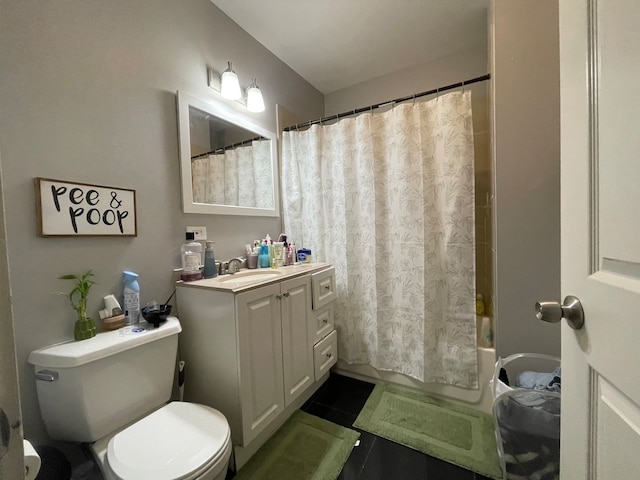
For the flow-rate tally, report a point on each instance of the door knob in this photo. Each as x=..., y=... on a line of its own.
x=570, y=310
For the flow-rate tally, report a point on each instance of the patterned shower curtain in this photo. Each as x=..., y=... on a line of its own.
x=388, y=198
x=216, y=179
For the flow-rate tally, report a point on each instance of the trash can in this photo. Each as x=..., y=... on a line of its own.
x=526, y=411
x=54, y=464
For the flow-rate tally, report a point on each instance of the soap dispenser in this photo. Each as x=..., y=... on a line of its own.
x=210, y=270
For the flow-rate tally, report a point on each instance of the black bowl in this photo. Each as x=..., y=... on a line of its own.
x=157, y=314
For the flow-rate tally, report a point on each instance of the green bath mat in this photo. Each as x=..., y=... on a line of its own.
x=304, y=448
x=453, y=433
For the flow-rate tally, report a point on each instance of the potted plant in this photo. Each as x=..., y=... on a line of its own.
x=84, y=327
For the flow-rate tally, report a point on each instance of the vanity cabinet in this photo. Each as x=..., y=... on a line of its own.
x=275, y=362
x=256, y=353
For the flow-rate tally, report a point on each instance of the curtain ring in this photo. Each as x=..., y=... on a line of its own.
x=463, y=86
x=437, y=93
x=414, y=98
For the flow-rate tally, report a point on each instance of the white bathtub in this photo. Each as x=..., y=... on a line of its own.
x=479, y=399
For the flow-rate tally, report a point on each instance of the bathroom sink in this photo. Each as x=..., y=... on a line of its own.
x=247, y=277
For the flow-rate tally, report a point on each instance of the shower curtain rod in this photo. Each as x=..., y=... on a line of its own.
x=228, y=147
x=397, y=100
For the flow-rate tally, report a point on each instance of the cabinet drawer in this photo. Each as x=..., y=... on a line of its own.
x=322, y=322
x=325, y=354
x=324, y=287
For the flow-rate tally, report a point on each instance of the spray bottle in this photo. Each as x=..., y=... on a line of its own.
x=131, y=298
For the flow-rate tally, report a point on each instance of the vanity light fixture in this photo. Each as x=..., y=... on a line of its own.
x=229, y=84
x=255, y=103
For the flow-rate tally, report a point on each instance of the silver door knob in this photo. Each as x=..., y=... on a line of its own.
x=570, y=310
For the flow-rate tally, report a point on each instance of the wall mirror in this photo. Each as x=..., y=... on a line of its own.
x=228, y=165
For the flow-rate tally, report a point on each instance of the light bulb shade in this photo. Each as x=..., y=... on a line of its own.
x=255, y=103
x=229, y=84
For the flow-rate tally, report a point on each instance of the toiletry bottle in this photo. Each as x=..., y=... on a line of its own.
x=486, y=333
x=288, y=255
x=480, y=309
x=191, y=259
x=209, y=261
x=270, y=249
x=131, y=298
x=294, y=253
x=263, y=258
x=278, y=254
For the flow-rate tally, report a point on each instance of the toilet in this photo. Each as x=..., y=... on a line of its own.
x=111, y=392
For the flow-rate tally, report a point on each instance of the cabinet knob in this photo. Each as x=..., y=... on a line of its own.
x=285, y=294
x=329, y=355
x=278, y=296
x=327, y=287
x=325, y=320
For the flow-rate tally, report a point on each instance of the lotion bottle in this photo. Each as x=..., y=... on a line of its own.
x=131, y=298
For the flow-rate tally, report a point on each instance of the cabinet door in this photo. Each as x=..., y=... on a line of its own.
x=297, y=353
x=260, y=352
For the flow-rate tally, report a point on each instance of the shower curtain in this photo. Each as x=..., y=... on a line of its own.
x=217, y=178
x=388, y=198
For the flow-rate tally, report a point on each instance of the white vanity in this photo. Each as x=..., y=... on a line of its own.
x=257, y=344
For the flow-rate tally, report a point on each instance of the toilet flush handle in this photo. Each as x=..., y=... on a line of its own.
x=47, y=375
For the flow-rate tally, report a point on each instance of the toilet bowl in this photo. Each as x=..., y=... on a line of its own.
x=111, y=391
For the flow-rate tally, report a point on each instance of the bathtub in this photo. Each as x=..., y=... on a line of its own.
x=479, y=399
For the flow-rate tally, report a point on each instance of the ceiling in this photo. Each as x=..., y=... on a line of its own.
x=334, y=44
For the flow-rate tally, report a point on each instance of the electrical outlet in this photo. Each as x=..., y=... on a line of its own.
x=201, y=232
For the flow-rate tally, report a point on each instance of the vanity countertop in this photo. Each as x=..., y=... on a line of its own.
x=247, y=279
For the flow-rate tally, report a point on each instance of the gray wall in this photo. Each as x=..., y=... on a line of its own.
x=527, y=172
x=88, y=95
x=441, y=71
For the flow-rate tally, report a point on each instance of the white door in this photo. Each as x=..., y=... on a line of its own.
x=600, y=106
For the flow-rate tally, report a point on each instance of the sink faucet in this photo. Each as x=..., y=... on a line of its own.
x=234, y=265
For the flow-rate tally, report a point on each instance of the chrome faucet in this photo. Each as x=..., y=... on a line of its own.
x=233, y=265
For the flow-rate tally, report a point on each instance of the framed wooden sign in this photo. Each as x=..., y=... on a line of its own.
x=82, y=209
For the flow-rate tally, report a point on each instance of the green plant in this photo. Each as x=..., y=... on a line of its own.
x=78, y=296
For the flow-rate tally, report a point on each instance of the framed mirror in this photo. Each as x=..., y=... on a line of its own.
x=228, y=165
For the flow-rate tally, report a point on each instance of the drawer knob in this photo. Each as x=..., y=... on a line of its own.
x=329, y=355
x=327, y=287
x=325, y=320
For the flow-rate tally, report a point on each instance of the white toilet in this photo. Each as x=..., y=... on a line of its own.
x=111, y=392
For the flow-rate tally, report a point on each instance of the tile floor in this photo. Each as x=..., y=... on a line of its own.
x=340, y=400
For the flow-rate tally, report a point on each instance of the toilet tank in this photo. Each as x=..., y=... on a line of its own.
x=90, y=388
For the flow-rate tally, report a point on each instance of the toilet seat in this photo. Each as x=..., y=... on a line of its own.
x=179, y=441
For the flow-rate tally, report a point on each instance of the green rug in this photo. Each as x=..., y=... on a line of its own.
x=305, y=447
x=453, y=433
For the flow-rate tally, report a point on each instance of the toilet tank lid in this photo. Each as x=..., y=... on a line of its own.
x=75, y=353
